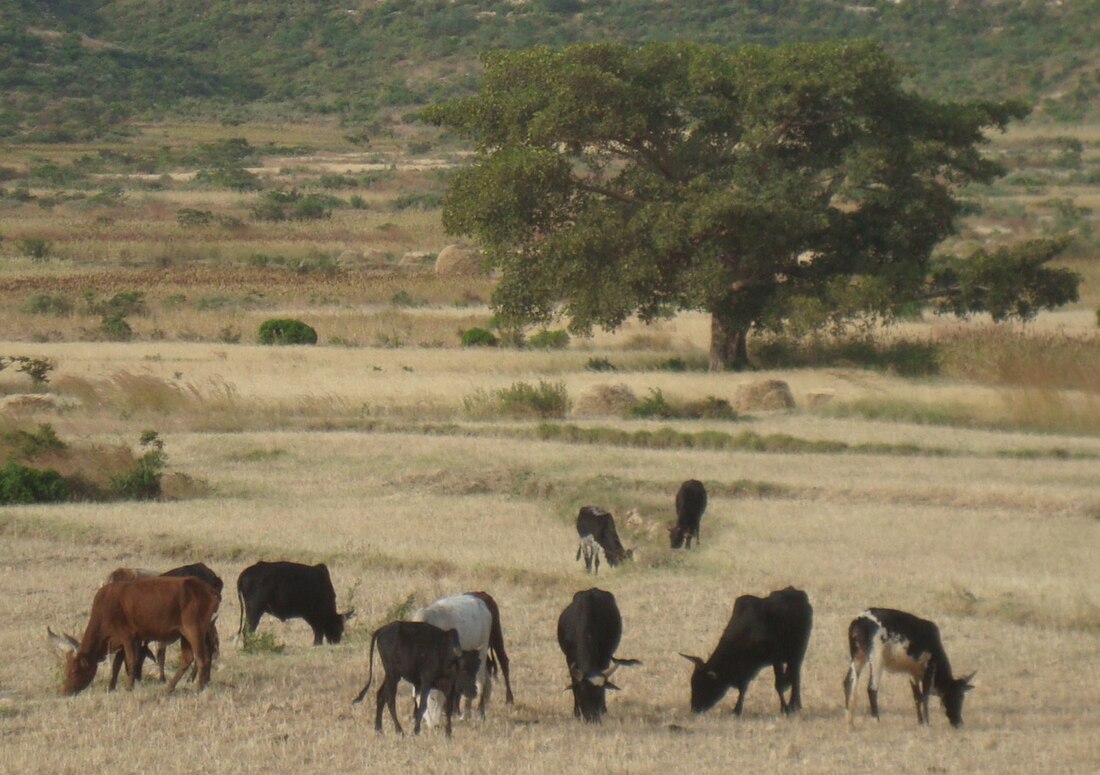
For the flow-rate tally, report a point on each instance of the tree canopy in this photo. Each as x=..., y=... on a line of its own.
x=753, y=183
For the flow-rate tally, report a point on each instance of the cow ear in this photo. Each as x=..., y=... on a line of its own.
x=966, y=682
x=712, y=675
x=609, y=685
x=349, y=615
x=694, y=660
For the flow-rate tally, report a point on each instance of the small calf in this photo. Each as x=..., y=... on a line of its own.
x=596, y=531
x=902, y=643
x=691, y=502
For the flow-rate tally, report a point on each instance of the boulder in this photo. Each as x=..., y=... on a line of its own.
x=764, y=395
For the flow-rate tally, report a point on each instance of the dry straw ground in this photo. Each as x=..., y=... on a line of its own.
x=1001, y=552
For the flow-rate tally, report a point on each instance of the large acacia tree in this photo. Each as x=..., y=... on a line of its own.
x=753, y=184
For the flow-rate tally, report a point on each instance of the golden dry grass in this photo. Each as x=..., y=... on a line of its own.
x=1000, y=552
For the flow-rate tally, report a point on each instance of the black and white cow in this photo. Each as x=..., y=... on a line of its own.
x=471, y=618
x=902, y=643
x=589, y=630
x=428, y=658
x=596, y=530
x=772, y=630
x=290, y=590
x=691, y=502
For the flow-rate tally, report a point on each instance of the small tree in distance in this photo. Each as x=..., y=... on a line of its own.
x=753, y=184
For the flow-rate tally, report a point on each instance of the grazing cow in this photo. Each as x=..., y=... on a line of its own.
x=126, y=613
x=596, y=529
x=496, y=642
x=197, y=570
x=902, y=643
x=691, y=502
x=589, y=630
x=472, y=619
x=773, y=630
x=428, y=658
x=290, y=590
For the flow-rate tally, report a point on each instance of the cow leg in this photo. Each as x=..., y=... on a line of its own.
x=781, y=686
x=422, y=706
x=918, y=699
x=116, y=665
x=794, y=676
x=186, y=657
x=132, y=648
x=740, y=701
x=390, y=688
x=486, y=688
x=687, y=544
x=162, y=653
x=380, y=704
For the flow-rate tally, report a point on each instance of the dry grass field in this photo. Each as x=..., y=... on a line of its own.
x=1001, y=552
x=968, y=493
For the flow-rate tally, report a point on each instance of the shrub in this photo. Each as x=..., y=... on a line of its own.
x=189, y=216
x=549, y=340
x=478, y=337
x=37, y=369
x=520, y=400
x=599, y=364
x=20, y=484
x=143, y=481
x=35, y=248
x=710, y=408
x=654, y=405
x=260, y=643
x=49, y=304
x=286, y=331
x=114, y=328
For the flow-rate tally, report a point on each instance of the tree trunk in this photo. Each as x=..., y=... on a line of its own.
x=728, y=345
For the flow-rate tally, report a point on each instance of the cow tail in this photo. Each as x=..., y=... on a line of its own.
x=370, y=672
x=240, y=601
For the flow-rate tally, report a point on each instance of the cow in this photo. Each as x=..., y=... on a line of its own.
x=126, y=613
x=471, y=618
x=899, y=642
x=290, y=590
x=496, y=642
x=596, y=529
x=691, y=502
x=428, y=658
x=772, y=630
x=589, y=630
x=197, y=570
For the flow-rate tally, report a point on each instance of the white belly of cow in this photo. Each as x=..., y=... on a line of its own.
x=893, y=651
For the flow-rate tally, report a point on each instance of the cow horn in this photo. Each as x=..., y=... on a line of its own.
x=65, y=642
x=965, y=682
x=694, y=660
x=607, y=673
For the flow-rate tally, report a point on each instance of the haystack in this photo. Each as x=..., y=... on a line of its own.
x=604, y=400
x=763, y=395
x=457, y=261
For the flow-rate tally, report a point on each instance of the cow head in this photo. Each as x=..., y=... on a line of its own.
x=80, y=669
x=676, y=536
x=953, y=697
x=590, y=692
x=467, y=665
x=334, y=630
x=707, y=689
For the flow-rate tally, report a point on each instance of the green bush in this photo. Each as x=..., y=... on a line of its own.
x=286, y=331
x=20, y=484
x=599, y=364
x=35, y=248
x=260, y=643
x=549, y=340
x=478, y=337
x=143, y=481
x=49, y=304
x=520, y=400
x=653, y=405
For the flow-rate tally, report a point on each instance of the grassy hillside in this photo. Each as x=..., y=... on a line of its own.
x=106, y=58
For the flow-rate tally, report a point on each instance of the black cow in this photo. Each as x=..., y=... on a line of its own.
x=428, y=658
x=196, y=570
x=902, y=643
x=596, y=529
x=773, y=630
x=691, y=502
x=589, y=630
x=496, y=642
x=290, y=590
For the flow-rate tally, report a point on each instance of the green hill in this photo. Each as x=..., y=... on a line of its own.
x=76, y=67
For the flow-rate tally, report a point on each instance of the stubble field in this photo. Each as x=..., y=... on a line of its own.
x=953, y=472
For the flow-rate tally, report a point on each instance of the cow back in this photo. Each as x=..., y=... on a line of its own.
x=589, y=630
x=762, y=627
x=468, y=615
x=200, y=571
x=154, y=608
x=288, y=589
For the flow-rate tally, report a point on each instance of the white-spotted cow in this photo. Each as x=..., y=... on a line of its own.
x=899, y=642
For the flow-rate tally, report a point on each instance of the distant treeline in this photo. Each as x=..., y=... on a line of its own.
x=77, y=67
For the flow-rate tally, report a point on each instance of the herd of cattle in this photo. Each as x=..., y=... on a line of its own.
x=453, y=648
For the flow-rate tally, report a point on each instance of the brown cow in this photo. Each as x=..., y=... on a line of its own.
x=125, y=613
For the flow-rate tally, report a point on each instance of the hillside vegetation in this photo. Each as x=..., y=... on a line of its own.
x=75, y=69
